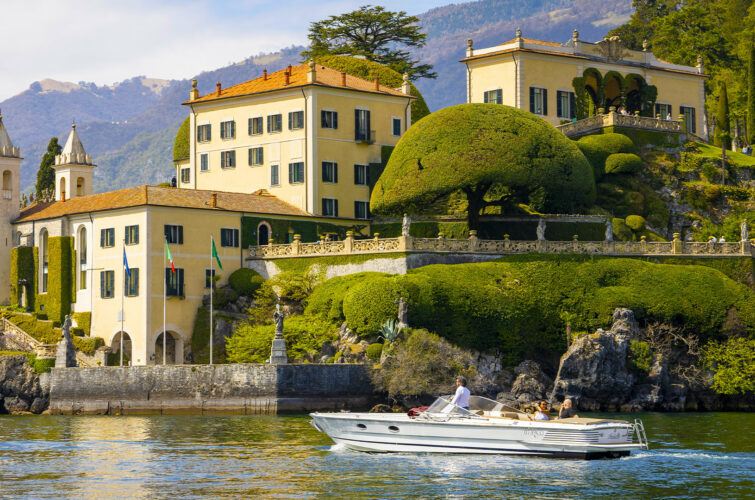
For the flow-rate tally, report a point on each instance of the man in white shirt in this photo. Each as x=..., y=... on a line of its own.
x=461, y=398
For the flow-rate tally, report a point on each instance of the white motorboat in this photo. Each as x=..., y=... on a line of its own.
x=487, y=427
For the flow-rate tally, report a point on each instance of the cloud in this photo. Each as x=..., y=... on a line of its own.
x=105, y=42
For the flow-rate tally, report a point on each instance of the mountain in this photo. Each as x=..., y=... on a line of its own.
x=129, y=127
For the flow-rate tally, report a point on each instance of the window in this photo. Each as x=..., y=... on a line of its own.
x=295, y=120
x=174, y=234
x=107, y=237
x=664, y=110
x=328, y=119
x=132, y=235
x=274, y=123
x=185, y=175
x=330, y=207
x=209, y=274
x=362, y=125
x=107, y=284
x=493, y=96
x=228, y=159
x=228, y=129
x=174, y=282
x=360, y=175
x=397, y=127
x=296, y=172
x=44, y=242
x=689, y=118
x=538, y=101
x=83, y=259
x=255, y=126
x=132, y=283
x=229, y=237
x=329, y=171
x=565, y=105
x=203, y=133
x=255, y=156
x=361, y=209
x=274, y=175
x=204, y=162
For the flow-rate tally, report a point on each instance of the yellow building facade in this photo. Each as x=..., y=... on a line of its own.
x=562, y=82
x=309, y=135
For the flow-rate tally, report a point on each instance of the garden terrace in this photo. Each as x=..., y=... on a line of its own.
x=600, y=121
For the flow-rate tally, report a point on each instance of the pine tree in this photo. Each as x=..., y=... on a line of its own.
x=723, y=132
x=46, y=174
x=751, y=95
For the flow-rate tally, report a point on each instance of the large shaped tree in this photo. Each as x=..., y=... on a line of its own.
x=373, y=33
x=46, y=174
x=496, y=155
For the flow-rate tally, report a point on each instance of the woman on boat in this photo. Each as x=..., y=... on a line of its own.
x=541, y=412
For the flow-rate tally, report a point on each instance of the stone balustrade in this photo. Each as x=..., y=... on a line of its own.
x=612, y=118
x=20, y=337
x=473, y=244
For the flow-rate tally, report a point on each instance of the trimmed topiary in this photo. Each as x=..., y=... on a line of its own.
x=181, y=143
x=245, y=281
x=494, y=154
x=636, y=223
x=374, y=351
x=597, y=148
x=368, y=70
x=623, y=163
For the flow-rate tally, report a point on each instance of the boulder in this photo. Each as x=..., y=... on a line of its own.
x=531, y=384
x=20, y=387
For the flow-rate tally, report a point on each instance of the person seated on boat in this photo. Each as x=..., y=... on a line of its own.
x=461, y=398
x=541, y=412
x=567, y=411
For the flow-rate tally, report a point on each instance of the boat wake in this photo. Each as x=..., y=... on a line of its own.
x=693, y=455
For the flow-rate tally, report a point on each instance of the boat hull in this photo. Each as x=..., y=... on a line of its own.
x=390, y=433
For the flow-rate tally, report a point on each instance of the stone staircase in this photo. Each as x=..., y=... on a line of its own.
x=16, y=338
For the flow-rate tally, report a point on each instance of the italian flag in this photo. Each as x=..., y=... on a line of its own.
x=169, y=256
x=215, y=253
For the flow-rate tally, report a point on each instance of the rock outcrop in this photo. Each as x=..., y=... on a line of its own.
x=22, y=390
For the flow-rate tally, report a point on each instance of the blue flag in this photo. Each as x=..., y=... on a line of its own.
x=125, y=264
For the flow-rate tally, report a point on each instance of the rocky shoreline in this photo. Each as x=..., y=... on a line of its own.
x=22, y=391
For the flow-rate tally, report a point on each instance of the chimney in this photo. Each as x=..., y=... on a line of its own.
x=287, y=75
x=312, y=73
x=470, y=50
x=343, y=79
x=264, y=74
x=406, y=87
x=214, y=200
x=289, y=69
x=194, y=93
x=377, y=83
x=219, y=87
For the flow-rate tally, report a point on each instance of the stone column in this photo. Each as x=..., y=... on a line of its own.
x=473, y=241
x=348, y=243
x=676, y=244
x=296, y=245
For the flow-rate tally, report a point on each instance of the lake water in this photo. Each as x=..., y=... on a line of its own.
x=700, y=455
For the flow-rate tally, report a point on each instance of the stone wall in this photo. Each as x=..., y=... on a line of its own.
x=229, y=389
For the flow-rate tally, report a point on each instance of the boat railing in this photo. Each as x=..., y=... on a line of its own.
x=639, y=430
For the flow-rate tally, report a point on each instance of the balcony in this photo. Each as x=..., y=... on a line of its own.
x=364, y=136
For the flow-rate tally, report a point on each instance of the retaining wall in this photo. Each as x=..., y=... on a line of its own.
x=221, y=389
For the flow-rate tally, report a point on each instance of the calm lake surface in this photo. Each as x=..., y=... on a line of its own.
x=700, y=455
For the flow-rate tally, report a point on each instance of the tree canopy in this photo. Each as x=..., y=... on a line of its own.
x=46, y=174
x=181, y=144
x=374, y=33
x=496, y=155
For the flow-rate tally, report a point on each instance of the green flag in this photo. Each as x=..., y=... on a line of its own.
x=215, y=253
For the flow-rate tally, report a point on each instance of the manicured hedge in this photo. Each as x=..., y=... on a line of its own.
x=84, y=320
x=623, y=163
x=181, y=143
x=57, y=301
x=22, y=267
x=597, y=148
x=635, y=222
x=471, y=145
x=245, y=281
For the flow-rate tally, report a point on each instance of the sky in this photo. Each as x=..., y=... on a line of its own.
x=107, y=41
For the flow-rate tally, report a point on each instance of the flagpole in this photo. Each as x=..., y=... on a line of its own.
x=212, y=285
x=165, y=300
x=123, y=293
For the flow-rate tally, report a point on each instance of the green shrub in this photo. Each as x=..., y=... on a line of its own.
x=623, y=163
x=245, y=281
x=304, y=337
x=43, y=365
x=223, y=296
x=374, y=351
x=636, y=223
x=326, y=301
x=87, y=345
x=84, y=320
x=734, y=365
x=621, y=231
x=640, y=358
x=597, y=148
x=181, y=143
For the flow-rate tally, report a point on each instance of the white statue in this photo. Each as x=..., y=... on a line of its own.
x=743, y=230
x=405, y=224
x=609, y=230
x=541, y=230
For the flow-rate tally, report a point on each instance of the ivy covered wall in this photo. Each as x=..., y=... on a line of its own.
x=56, y=303
x=310, y=230
x=22, y=267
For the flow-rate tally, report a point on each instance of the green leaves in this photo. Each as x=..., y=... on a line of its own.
x=46, y=174
x=734, y=365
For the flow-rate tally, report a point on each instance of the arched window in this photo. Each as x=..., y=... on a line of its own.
x=263, y=233
x=7, y=185
x=82, y=250
x=44, y=260
x=80, y=186
x=62, y=188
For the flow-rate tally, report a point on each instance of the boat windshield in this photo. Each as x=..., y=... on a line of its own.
x=477, y=406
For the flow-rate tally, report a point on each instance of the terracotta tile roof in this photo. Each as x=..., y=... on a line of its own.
x=327, y=77
x=258, y=202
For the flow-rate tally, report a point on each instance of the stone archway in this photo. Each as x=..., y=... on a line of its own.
x=115, y=348
x=263, y=233
x=174, y=349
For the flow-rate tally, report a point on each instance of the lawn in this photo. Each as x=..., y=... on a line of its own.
x=709, y=151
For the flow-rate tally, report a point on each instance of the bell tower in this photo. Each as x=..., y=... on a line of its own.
x=10, y=166
x=73, y=169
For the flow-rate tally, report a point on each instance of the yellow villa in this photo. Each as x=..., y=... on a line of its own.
x=562, y=82
x=308, y=134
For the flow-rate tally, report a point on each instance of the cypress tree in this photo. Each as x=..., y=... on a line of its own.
x=722, y=118
x=46, y=174
x=751, y=95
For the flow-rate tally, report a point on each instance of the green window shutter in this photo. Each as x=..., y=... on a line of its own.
x=485, y=98
x=102, y=237
x=559, y=110
x=102, y=284
x=572, y=106
x=356, y=124
x=499, y=96
x=532, y=99
x=322, y=119
x=324, y=206
x=335, y=119
x=335, y=208
x=290, y=120
x=290, y=173
x=335, y=172
x=545, y=102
